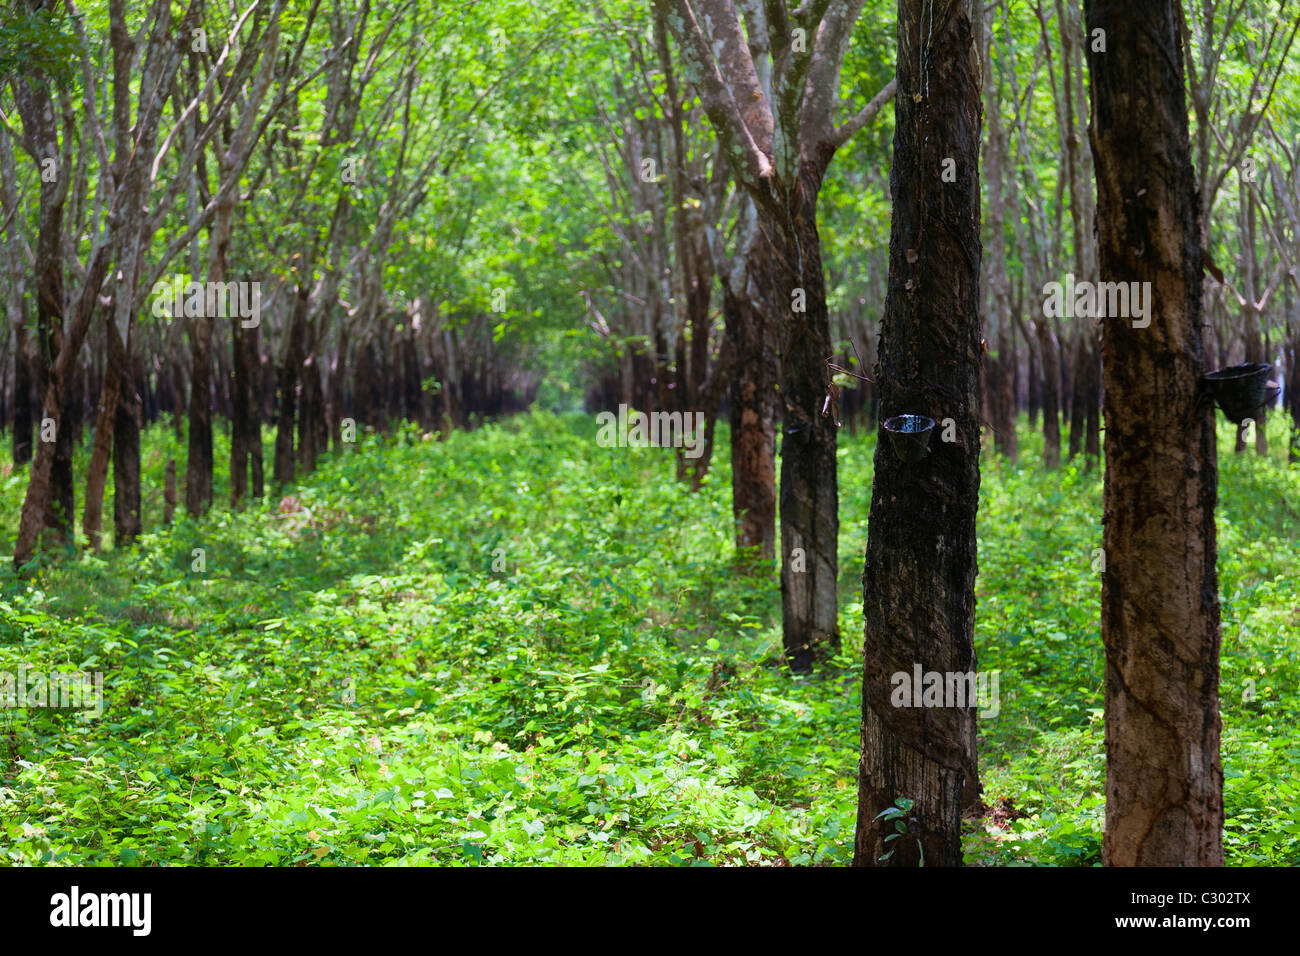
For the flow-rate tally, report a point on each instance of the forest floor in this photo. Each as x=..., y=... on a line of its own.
x=518, y=647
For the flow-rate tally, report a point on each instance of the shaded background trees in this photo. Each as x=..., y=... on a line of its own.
x=465, y=203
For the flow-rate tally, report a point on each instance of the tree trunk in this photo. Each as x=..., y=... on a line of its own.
x=1092, y=427
x=309, y=414
x=338, y=390
x=50, y=489
x=683, y=394
x=364, y=385
x=15, y=266
x=60, y=515
x=918, y=582
x=693, y=366
x=178, y=390
x=1002, y=368
x=169, y=492
x=1261, y=431
x=793, y=282
x=1079, y=392
x=241, y=408
x=37, y=500
x=1250, y=324
x=708, y=398
x=198, y=465
x=57, y=518
x=1034, y=381
x=1292, y=396
x=101, y=453
x=253, y=438
x=1004, y=418
x=1051, y=394
x=288, y=381
x=753, y=429
x=24, y=422
x=118, y=408
x=127, y=521
x=1160, y=604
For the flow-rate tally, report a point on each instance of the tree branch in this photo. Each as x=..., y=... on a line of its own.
x=747, y=148
x=865, y=115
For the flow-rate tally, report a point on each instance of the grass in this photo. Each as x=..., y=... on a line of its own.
x=515, y=646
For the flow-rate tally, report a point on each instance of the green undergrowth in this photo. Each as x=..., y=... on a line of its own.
x=514, y=646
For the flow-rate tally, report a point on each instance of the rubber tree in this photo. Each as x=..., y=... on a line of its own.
x=1160, y=594
x=918, y=582
x=40, y=106
x=768, y=77
x=15, y=267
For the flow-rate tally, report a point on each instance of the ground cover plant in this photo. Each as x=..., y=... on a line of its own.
x=515, y=646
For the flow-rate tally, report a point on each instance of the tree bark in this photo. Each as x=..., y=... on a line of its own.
x=918, y=581
x=101, y=452
x=127, y=520
x=198, y=464
x=773, y=108
x=1051, y=394
x=60, y=515
x=242, y=431
x=1160, y=604
x=809, y=502
x=1078, y=392
x=1000, y=368
x=338, y=390
x=1293, y=399
x=1034, y=381
x=309, y=414
x=24, y=422
x=169, y=492
x=753, y=429
x=287, y=408
x=1092, y=393
x=37, y=500
x=37, y=110
x=1004, y=419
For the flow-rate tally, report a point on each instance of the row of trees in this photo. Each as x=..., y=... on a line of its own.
x=1160, y=610
x=964, y=335
x=444, y=212
x=732, y=204
x=299, y=155
x=666, y=234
